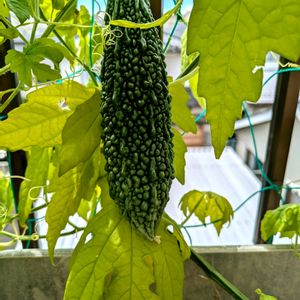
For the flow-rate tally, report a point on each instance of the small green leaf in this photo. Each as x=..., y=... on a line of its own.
x=29, y=61
x=207, y=204
x=3, y=9
x=284, y=220
x=7, y=33
x=39, y=122
x=179, y=156
x=232, y=38
x=181, y=115
x=20, y=8
x=263, y=296
x=37, y=173
x=77, y=184
x=84, y=18
x=112, y=260
x=81, y=134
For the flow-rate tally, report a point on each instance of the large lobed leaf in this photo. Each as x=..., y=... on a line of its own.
x=40, y=121
x=232, y=37
x=113, y=261
x=207, y=204
x=284, y=220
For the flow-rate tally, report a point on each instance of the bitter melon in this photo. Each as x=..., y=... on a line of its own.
x=136, y=114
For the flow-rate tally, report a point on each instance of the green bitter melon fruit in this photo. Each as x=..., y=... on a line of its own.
x=136, y=112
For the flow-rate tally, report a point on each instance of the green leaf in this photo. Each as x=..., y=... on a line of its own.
x=81, y=134
x=3, y=9
x=263, y=296
x=29, y=61
x=207, y=204
x=19, y=8
x=179, y=156
x=40, y=121
x=6, y=199
x=284, y=220
x=112, y=260
x=7, y=33
x=181, y=115
x=232, y=37
x=84, y=19
x=77, y=184
x=37, y=173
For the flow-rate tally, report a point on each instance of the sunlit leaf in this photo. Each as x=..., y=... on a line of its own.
x=36, y=173
x=207, y=204
x=284, y=220
x=39, y=122
x=81, y=134
x=113, y=261
x=181, y=115
x=20, y=8
x=179, y=156
x=232, y=37
x=77, y=184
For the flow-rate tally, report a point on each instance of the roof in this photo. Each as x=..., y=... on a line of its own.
x=229, y=177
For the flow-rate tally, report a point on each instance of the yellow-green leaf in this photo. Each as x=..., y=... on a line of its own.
x=284, y=220
x=77, y=184
x=36, y=173
x=181, y=115
x=81, y=134
x=113, y=261
x=207, y=204
x=179, y=156
x=233, y=37
x=39, y=122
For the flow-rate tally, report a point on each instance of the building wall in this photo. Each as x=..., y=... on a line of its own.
x=261, y=134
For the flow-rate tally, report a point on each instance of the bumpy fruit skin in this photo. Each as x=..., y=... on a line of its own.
x=136, y=115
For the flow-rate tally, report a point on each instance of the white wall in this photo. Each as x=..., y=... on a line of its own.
x=262, y=134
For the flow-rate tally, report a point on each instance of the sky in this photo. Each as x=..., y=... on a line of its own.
x=168, y=4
